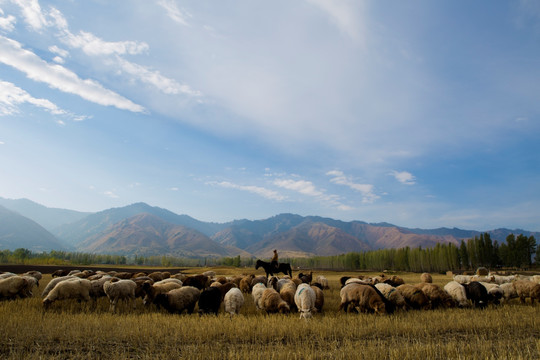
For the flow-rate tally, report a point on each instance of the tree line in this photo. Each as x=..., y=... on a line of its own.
x=516, y=253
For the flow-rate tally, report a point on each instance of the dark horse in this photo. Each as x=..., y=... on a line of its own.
x=269, y=269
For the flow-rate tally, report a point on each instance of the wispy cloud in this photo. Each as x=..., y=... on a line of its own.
x=266, y=193
x=367, y=190
x=307, y=188
x=12, y=96
x=404, y=177
x=111, y=194
x=7, y=23
x=59, y=77
x=174, y=12
x=32, y=13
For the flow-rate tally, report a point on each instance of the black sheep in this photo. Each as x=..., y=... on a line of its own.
x=210, y=301
x=477, y=293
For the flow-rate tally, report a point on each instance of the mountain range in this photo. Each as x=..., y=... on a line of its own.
x=144, y=230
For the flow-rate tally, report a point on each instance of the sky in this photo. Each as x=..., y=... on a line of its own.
x=419, y=113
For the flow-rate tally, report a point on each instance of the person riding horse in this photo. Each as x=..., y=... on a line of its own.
x=274, y=261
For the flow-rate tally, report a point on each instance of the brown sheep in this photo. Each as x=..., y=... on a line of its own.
x=156, y=276
x=526, y=288
x=287, y=292
x=245, y=284
x=414, y=297
x=271, y=302
x=436, y=295
x=201, y=282
x=362, y=297
x=319, y=298
x=259, y=279
x=151, y=291
x=426, y=278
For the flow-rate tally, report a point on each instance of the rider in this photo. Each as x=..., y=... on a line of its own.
x=274, y=261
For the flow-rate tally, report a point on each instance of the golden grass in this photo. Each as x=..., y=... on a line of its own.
x=80, y=331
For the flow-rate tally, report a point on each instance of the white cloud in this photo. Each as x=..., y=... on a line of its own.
x=111, y=194
x=7, y=23
x=164, y=84
x=58, y=51
x=93, y=45
x=12, y=96
x=173, y=12
x=301, y=186
x=32, y=13
x=58, y=77
x=367, y=190
x=266, y=193
x=404, y=177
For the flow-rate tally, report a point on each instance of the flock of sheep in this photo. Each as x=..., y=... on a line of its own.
x=179, y=292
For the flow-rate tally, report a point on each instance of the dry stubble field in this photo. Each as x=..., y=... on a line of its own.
x=70, y=330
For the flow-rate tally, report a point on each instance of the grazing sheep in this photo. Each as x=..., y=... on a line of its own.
x=31, y=282
x=179, y=276
x=12, y=286
x=224, y=288
x=306, y=279
x=282, y=282
x=178, y=300
x=362, y=297
x=210, y=274
x=477, y=293
x=536, y=279
x=96, y=290
x=414, y=297
x=156, y=276
x=233, y=301
x=53, y=283
x=161, y=287
x=259, y=279
x=256, y=293
x=457, y=292
x=436, y=295
x=495, y=293
x=357, y=281
x=527, y=289
x=319, y=298
x=463, y=279
x=60, y=273
x=287, y=292
x=393, y=295
x=426, y=278
x=304, y=298
x=201, y=282
x=394, y=281
x=499, y=279
x=119, y=290
x=245, y=284
x=321, y=279
x=509, y=292
x=69, y=289
x=35, y=274
x=210, y=300
x=271, y=302
x=272, y=282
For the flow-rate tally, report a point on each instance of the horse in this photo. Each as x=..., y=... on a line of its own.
x=270, y=270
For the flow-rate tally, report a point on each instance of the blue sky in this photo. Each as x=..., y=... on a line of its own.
x=418, y=113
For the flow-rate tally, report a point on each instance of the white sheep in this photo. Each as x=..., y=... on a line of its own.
x=35, y=274
x=463, y=279
x=536, y=279
x=119, y=290
x=457, y=292
x=161, y=287
x=282, y=282
x=7, y=275
x=256, y=293
x=12, y=286
x=509, y=292
x=31, y=282
x=499, y=279
x=304, y=298
x=97, y=286
x=393, y=295
x=55, y=281
x=70, y=289
x=321, y=279
x=233, y=301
